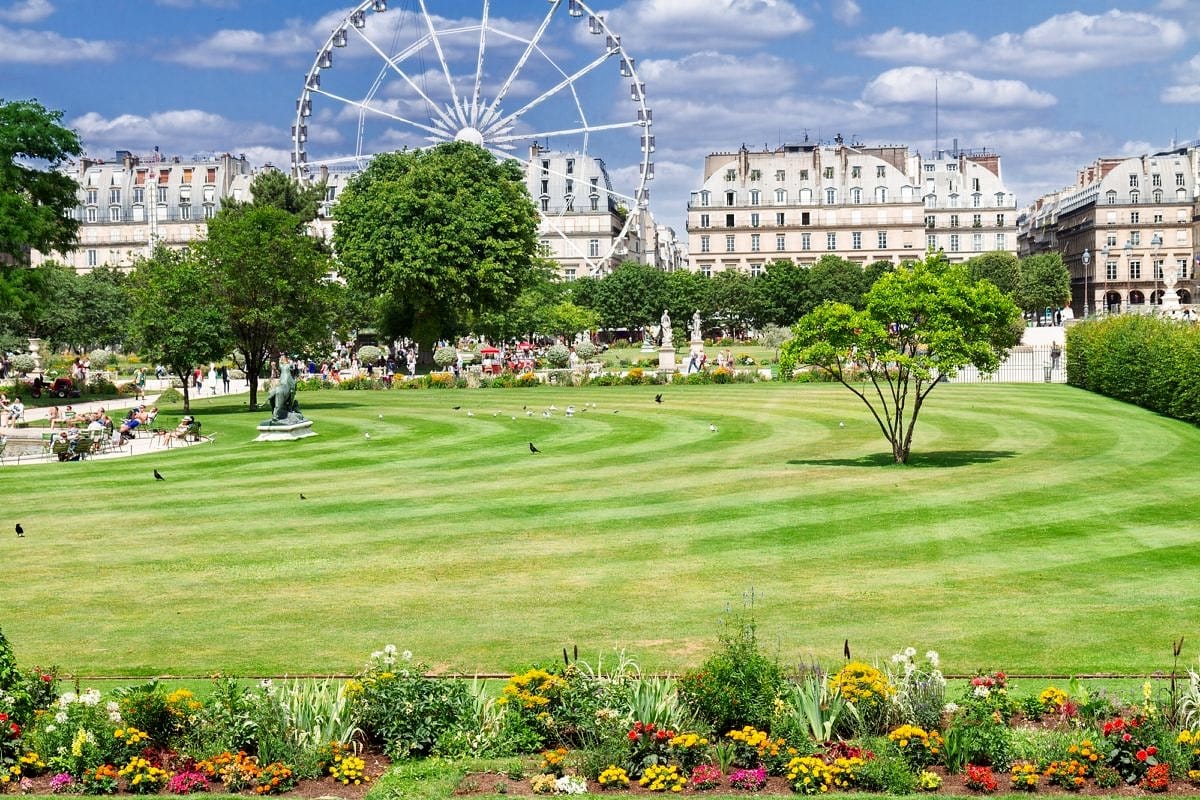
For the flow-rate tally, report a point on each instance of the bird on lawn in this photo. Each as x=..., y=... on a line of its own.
x=20, y=531
x=302, y=497
x=712, y=427
x=658, y=398
x=546, y=414
x=368, y=435
x=158, y=476
x=470, y=413
x=533, y=449
x=841, y=424
x=846, y=649
x=570, y=411
x=456, y=408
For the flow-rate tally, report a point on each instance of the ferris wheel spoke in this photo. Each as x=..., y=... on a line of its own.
x=441, y=134
x=392, y=63
x=558, y=87
x=437, y=46
x=331, y=161
x=516, y=70
x=565, y=132
x=483, y=29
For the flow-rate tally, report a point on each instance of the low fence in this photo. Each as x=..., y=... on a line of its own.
x=1026, y=364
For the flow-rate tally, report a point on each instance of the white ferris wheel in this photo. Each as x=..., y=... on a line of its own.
x=398, y=74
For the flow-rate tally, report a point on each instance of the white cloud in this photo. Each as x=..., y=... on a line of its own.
x=191, y=3
x=246, y=49
x=48, y=47
x=954, y=89
x=24, y=12
x=719, y=74
x=713, y=24
x=847, y=12
x=1064, y=44
x=183, y=131
x=1186, y=88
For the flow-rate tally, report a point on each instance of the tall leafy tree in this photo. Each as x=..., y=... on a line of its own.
x=34, y=194
x=438, y=234
x=999, y=267
x=173, y=320
x=837, y=279
x=1045, y=282
x=268, y=279
x=276, y=188
x=919, y=322
x=731, y=300
x=782, y=293
x=632, y=295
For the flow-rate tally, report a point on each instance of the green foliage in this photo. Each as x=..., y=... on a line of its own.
x=144, y=706
x=557, y=355
x=586, y=350
x=369, y=354
x=1044, y=282
x=812, y=708
x=445, y=356
x=1145, y=360
x=887, y=772
x=34, y=195
x=280, y=190
x=23, y=363
x=174, y=321
x=979, y=738
x=230, y=717
x=1000, y=267
x=438, y=234
x=736, y=686
x=8, y=665
x=170, y=396
x=920, y=321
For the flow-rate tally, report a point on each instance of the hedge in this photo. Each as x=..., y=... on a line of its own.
x=1149, y=361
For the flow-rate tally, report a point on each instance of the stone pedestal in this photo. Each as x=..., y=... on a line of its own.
x=285, y=433
x=1170, y=300
x=666, y=358
x=35, y=350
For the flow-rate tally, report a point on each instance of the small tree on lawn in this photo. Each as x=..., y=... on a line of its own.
x=174, y=320
x=920, y=322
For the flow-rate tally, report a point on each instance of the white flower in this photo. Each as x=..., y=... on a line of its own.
x=390, y=649
x=406, y=655
x=61, y=718
x=570, y=784
x=50, y=728
x=950, y=708
x=67, y=698
x=112, y=706
x=933, y=657
x=91, y=697
x=898, y=658
x=982, y=691
x=378, y=654
x=114, y=716
x=910, y=651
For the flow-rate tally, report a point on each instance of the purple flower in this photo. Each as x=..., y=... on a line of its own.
x=61, y=782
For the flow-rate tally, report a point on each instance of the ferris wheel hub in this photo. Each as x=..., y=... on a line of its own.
x=469, y=134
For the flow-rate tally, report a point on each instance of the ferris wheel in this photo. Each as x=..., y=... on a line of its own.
x=558, y=93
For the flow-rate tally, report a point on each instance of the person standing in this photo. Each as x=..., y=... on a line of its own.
x=139, y=380
x=224, y=373
x=212, y=377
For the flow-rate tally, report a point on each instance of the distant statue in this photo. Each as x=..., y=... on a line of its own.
x=282, y=398
x=697, y=335
x=665, y=337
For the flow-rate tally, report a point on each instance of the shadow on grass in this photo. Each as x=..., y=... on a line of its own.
x=939, y=459
x=264, y=411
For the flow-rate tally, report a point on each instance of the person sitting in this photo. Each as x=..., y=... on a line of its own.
x=16, y=412
x=62, y=447
x=187, y=426
x=136, y=417
x=54, y=416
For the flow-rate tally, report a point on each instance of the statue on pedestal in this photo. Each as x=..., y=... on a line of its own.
x=697, y=334
x=282, y=398
x=665, y=338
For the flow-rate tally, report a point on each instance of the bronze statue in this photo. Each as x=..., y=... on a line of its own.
x=282, y=398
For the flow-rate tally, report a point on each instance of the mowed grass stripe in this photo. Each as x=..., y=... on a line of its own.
x=1029, y=512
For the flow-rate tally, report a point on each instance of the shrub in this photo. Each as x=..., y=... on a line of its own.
x=98, y=384
x=868, y=691
x=586, y=350
x=369, y=354
x=738, y=685
x=445, y=356
x=361, y=382
x=722, y=375
x=557, y=355
x=885, y=773
x=635, y=376
x=1145, y=360
x=23, y=363
x=99, y=359
x=169, y=396
x=980, y=779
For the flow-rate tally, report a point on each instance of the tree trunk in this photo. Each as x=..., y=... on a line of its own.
x=899, y=451
x=252, y=373
x=187, y=406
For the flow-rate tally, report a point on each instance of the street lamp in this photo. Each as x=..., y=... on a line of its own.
x=1128, y=278
x=1104, y=254
x=1087, y=260
x=1155, y=243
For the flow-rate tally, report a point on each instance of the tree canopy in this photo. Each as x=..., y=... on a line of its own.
x=1000, y=267
x=922, y=321
x=438, y=234
x=173, y=320
x=278, y=189
x=267, y=277
x=1045, y=282
x=34, y=194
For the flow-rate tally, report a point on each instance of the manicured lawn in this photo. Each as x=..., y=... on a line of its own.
x=1040, y=528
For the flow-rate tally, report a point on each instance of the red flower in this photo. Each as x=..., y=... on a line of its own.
x=46, y=677
x=1151, y=750
x=633, y=736
x=1141, y=755
x=1126, y=737
x=3, y=716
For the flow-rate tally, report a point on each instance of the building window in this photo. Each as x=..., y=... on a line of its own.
x=880, y=194
x=729, y=248
x=162, y=194
x=544, y=249
x=210, y=211
x=952, y=168
x=569, y=203
x=931, y=241
x=595, y=203
x=954, y=201
x=780, y=196
x=780, y=174
x=1111, y=197
x=1156, y=180
x=90, y=214
x=976, y=200
x=754, y=220
x=1133, y=181
x=1111, y=240
x=829, y=173
x=855, y=172
x=755, y=197
x=1182, y=264
x=570, y=166
x=999, y=220
x=1179, y=181
x=881, y=171
x=1135, y=238
x=954, y=243
x=856, y=240
x=1110, y=270
x=806, y=241
x=830, y=197
x=114, y=195
x=545, y=165
x=803, y=174
x=1001, y=241
x=755, y=270
x=976, y=220
x=1135, y=270
x=930, y=221
x=882, y=240
x=1135, y=217
x=139, y=194
x=114, y=213
x=704, y=221
x=780, y=218
x=593, y=248
x=831, y=241
x=1134, y=198
x=211, y=177
x=1158, y=269
x=856, y=195
x=755, y=242
x=954, y=220
x=780, y=241
x=92, y=197
x=805, y=216
x=705, y=244
x=977, y=242
x=729, y=220
x=569, y=273
x=731, y=174
x=545, y=204
x=91, y=258
x=706, y=270
x=705, y=198
x=1158, y=196
x=731, y=198
x=930, y=167
x=930, y=200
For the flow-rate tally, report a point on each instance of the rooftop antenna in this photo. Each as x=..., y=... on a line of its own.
x=937, y=139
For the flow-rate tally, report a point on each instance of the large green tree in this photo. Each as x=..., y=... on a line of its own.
x=1000, y=267
x=34, y=194
x=1045, y=282
x=837, y=279
x=439, y=234
x=268, y=279
x=922, y=321
x=632, y=295
x=782, y=293
x=276, y=188
x=174, y=320
x=81, y=311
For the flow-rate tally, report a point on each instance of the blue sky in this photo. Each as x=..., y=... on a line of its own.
x=1048, y=85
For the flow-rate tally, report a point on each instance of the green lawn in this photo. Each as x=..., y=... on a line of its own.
x=1039, y=529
